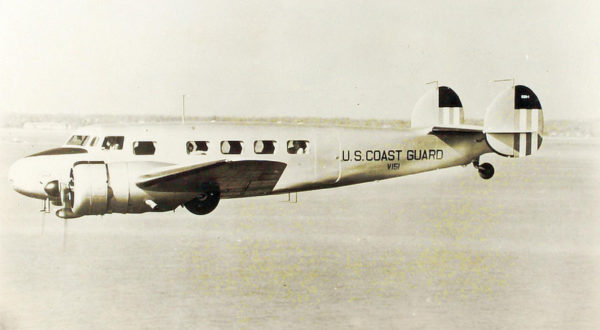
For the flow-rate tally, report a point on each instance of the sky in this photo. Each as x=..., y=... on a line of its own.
x=356, y=59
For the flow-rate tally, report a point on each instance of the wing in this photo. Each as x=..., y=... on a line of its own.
x=235, y=178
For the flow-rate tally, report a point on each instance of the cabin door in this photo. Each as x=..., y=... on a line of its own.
x=327, y=158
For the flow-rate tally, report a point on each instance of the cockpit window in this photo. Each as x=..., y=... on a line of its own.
x=93, y=143
x=297, y=147
x=113, y=143
x=77, y=140
x=144, y=147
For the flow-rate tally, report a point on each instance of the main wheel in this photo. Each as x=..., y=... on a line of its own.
x=486, y=171
x=204, y=204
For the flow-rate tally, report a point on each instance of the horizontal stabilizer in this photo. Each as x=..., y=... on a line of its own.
x=458, y=128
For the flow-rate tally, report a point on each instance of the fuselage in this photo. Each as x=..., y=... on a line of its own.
x=316, y=157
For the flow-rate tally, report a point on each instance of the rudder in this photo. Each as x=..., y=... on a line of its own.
x=514, y=122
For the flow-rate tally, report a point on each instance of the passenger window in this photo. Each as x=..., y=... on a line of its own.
x=196, y=147
x=231, y=147
x=297, y=147
x=144, y=147
x=77, y=140
x=264, y=147
x=113, y=143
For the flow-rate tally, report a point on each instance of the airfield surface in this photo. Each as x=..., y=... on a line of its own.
x=444, y=249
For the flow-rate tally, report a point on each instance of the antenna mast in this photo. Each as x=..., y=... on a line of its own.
x=500, y=80
x=183, y=109
x=437, y=83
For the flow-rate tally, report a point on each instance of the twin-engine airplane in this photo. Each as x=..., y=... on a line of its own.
x=153, y=168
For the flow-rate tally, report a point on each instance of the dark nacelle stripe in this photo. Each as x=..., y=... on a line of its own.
x=528, y=145
x=60, y=151
x=517, y=142
x=525, y=98
x=448, y=98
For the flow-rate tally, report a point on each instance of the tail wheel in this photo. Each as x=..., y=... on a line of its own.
x=486, y=171
x=205, y=202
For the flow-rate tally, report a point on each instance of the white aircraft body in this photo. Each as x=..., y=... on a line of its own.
x=150, y=168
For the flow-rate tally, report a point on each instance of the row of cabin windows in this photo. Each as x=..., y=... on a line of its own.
x=262, y=147
x=232, y=147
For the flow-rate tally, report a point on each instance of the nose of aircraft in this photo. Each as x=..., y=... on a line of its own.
x=23, y=177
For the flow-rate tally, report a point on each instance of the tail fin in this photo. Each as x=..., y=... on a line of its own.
x=514, y=122
x=440, y=106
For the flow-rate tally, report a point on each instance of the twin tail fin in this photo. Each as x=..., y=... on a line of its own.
x=438, y=107
x=514, y=123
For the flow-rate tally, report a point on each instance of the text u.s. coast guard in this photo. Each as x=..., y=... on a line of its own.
x=381, y=155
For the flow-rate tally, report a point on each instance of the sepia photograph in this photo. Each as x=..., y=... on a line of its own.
x=299, y=164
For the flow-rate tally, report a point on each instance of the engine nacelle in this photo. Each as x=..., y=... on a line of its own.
x=97, y=188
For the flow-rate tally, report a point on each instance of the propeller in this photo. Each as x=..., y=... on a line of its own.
x=65, y=234
x=61, y=195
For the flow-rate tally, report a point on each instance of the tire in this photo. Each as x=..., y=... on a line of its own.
x=486, y=171
x=204, y=204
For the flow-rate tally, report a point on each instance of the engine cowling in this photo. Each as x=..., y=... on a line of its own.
x=89, y=188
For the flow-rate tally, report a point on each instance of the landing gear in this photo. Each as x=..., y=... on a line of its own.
x=205, y=203
x=486, y=170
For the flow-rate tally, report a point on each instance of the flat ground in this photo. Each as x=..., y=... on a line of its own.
x=438, y=250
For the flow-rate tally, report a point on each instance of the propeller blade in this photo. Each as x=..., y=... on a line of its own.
x=65, y=234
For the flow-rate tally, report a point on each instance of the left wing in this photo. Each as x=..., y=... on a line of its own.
x=234, y=178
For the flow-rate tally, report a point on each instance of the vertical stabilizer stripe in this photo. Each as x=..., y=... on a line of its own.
x=534, y=120
x=450, y=116
x=522, y=144
x=457, y=112
x=516, y=145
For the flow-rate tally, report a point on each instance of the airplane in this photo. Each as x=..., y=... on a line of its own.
x=105, y=169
